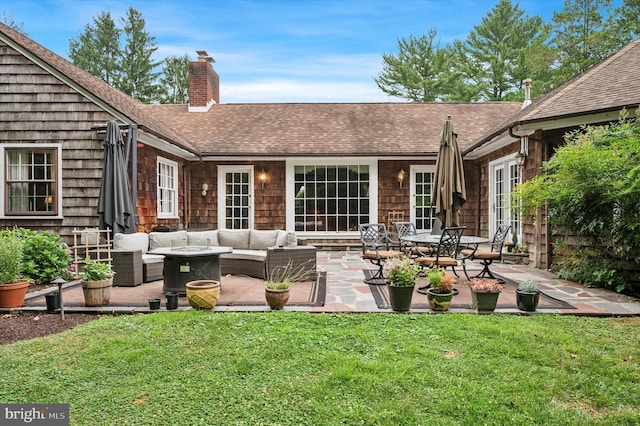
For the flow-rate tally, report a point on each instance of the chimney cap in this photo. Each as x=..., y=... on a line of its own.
x=203, y=56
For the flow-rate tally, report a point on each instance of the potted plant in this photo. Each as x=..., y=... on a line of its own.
x=97, y=280
x=484, y=293
x=279, y=282
x=440, y=292
x=401, y=273
x=203, y=294
x=13, y=288
x=527, y=295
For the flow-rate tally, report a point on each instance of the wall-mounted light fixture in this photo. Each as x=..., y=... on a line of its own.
x=521, y=156
x=205, y=188
x=400, y=176
x=262, y=177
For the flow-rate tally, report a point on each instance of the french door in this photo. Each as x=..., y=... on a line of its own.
x=235, y=197
x=422, y=213
x=503, y=178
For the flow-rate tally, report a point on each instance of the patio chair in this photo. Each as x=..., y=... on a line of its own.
x=407, y=247
x=376, y=249
x=446, y=253
x=486, y=257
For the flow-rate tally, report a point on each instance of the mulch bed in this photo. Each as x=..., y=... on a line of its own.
x=25, y=325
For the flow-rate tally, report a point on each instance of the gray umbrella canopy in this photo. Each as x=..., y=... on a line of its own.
x=450, y=192
x=115, y=208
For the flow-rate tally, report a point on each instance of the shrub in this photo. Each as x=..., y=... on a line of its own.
x=592, y=186
x=46, y=256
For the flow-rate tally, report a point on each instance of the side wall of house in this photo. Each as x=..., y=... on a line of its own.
x=38, y=108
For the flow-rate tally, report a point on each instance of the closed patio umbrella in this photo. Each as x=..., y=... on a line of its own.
x=450, y=192
x=115, y=208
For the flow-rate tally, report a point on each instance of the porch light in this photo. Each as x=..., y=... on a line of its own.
x=205, y=188
x=262, y=177
x=401, y=175
x=520, y=158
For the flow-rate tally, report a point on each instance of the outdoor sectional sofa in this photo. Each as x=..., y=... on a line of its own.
x=255, y=252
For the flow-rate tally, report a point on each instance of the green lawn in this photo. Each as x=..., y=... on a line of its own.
x=325, y=369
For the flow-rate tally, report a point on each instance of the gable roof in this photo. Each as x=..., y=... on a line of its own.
x=113, y=100
x=595, y=95
x=322, y=129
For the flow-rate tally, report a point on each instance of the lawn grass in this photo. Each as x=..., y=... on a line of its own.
x=286, y=368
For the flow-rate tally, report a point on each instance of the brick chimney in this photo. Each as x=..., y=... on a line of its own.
x=204, y=84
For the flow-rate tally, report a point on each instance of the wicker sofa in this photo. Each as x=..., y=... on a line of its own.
x=255, y=252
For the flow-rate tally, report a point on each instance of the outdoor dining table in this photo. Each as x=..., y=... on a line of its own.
x=423, y=238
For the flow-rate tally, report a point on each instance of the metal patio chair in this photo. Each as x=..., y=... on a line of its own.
x=376, y=247
x=486, y=257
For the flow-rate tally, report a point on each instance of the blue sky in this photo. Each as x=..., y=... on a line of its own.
x=275, y=51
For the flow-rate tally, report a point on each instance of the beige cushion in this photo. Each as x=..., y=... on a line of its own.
x=260, y=240
x=384, y=254
x=487, y=255
x=210, y=236
x=152, y=258
x=164, y=239
x=292, y=240
x=282, y=239
x=236, y=238
x=442, y=261
x=466, y=252
x=256, y=255
x=132, y=242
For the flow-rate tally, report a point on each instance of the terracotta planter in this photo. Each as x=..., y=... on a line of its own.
x=12, y=295
x=97, y=293
x=203, y=294
x=400, y=298
x=484, y=301
x=276, y=299
x=439, y=301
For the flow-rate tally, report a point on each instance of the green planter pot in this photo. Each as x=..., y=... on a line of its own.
x=484, y=301
x=400, y=298
x=439, y=301
x=527, y=301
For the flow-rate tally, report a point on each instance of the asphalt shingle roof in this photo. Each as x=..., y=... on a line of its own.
x=390, y=129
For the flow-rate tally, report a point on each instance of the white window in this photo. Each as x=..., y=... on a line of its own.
x=167, y=188
x=32, y=184
x=329, y=195
x=504, y=175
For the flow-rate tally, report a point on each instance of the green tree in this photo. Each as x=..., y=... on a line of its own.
x=97, y=49
x=495, y=57
x=581, y=36
x=592, y=189
x=625, y=21
x=136, y=66
x=421, y=71
x=174, y=80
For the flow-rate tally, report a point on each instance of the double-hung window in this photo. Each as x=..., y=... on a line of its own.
x=31, y=180
x=167, y=188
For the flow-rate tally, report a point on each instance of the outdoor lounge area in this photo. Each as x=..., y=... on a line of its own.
x=340, y=288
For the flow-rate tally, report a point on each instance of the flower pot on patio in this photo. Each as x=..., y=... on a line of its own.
x=97, y=293
x=53, y=301
x=484, y=301
x=400, y=297
x=203, y=294
x=439, y=301
x=276, y=299
x=12, y=295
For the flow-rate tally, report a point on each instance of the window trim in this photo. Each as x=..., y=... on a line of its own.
x=57, y=147
x=372, y=162
x=174, y=213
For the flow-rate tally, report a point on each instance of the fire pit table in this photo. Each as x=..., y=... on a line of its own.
x=190, y=263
